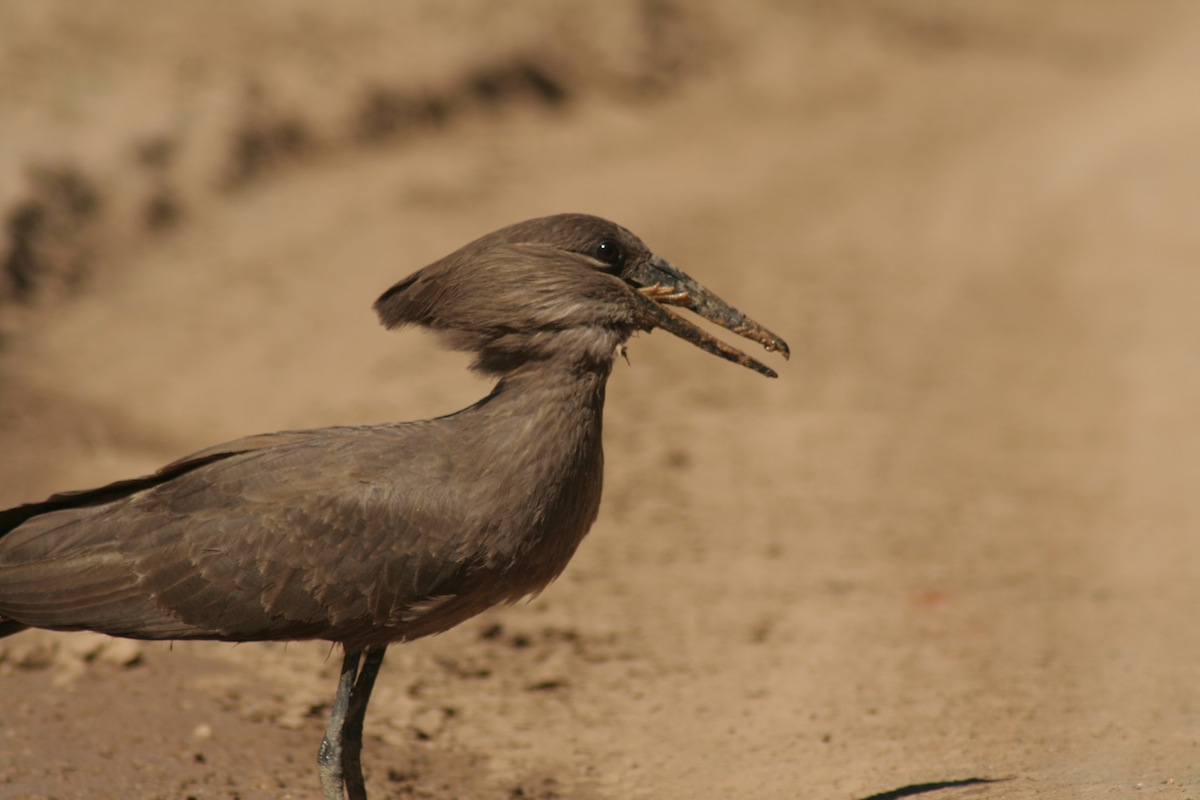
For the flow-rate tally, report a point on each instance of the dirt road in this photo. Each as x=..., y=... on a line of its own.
x=954, y=548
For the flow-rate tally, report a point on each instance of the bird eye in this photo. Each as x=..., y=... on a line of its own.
x=610, y=253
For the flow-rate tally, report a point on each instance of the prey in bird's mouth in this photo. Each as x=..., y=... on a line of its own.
x=659, y=284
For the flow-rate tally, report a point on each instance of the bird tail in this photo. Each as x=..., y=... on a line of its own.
x=13, y=518
x=10, y=626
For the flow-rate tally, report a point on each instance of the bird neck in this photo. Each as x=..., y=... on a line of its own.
x=547, y=406
x=536, y=465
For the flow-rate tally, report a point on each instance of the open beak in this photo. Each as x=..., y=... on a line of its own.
x=659, y=284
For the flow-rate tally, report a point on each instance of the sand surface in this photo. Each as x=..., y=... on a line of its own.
x=954, y=550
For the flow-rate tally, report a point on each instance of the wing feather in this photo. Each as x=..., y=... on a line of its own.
x=325, y=533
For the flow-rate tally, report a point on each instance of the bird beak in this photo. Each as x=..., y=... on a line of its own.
x=659, y=284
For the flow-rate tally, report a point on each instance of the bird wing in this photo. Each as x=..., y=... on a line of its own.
x=317, y=534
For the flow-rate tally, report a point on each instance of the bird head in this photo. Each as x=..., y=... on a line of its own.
x=570, y=282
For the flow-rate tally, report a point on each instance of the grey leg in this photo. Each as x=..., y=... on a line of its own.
x=352, y=733
x=329, y=757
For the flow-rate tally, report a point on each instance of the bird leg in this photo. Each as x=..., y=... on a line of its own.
x=352, y=732
x=329, y=756
x=339, y=761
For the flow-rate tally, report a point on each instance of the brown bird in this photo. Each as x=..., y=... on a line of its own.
x=375, y=534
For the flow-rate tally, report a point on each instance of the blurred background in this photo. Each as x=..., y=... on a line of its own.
x=957, y=540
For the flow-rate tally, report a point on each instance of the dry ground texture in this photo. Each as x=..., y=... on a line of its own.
x=958, y=540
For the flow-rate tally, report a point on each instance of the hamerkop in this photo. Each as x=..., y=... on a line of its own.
x=375, y=534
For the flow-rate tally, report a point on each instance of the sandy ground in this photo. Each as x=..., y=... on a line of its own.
x=954, y=549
